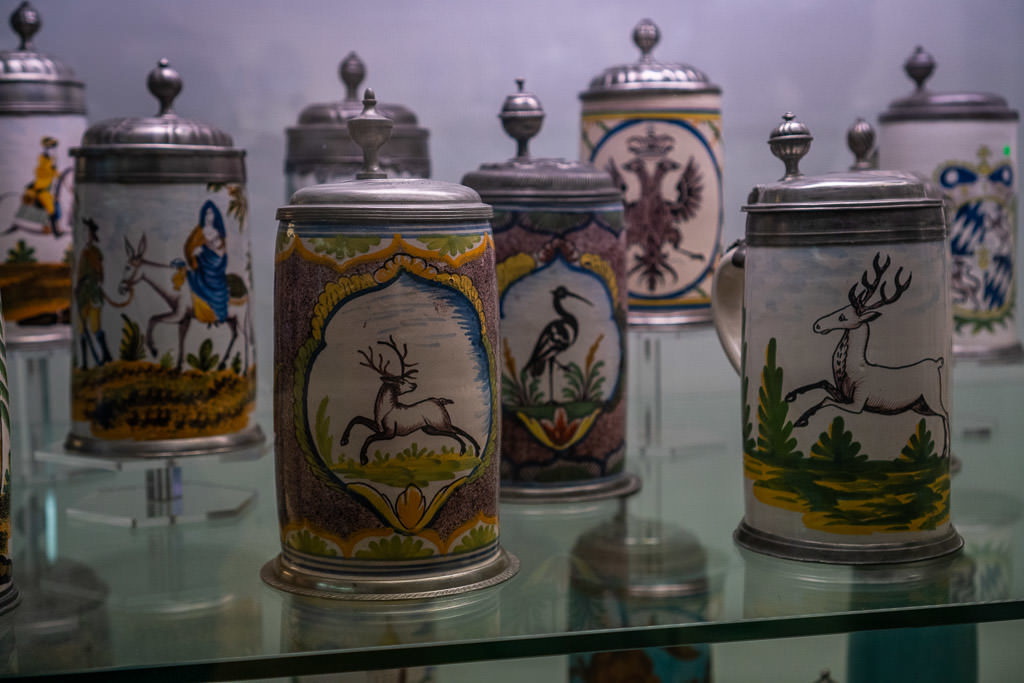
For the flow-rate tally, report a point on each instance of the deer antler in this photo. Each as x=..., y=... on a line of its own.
x=381, y=366
x=406, y=371
x=860, y=301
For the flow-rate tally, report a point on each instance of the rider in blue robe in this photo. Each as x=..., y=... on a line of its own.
x=206, y=253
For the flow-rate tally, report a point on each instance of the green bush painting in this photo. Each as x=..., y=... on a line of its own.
x=837, y=486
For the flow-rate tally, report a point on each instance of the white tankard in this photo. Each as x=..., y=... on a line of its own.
x=836, y=314
x=966, y=144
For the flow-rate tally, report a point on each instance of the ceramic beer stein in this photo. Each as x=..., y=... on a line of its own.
x=163, y=359
x=836, y=314
x=320, y=149
x=8, y=593
x=386, y=405
x=966, y=144
x=656, y=128
x=42, y=113
x=561, y=256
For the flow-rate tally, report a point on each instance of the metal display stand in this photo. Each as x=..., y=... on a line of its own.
x=165, y=499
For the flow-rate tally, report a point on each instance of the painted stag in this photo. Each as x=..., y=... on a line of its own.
x=861, y=386
x=391, y=417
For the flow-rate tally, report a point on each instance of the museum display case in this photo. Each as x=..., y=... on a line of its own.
x=121, y=581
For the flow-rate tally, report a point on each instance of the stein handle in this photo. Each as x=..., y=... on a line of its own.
x=727, y=301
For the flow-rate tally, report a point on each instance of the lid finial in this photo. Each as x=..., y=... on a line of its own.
x=370, y=130
x=919, y=66
x=646, y=35
x=26, y=22
x=790, y=141
x=352, y=71
x=164, y=83
x=860, y=138
x=521, y=117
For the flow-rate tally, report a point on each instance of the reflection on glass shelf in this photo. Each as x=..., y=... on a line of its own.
x=180, y=596
x=165, y=498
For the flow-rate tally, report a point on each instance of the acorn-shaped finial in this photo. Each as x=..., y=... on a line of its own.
x=790, y=141
x=860, y=138
x=26, y=23
x=352, y=71
x=645, y=36
x=919, y=66
x=164, y=83
x=521, y=117
x=370, y=130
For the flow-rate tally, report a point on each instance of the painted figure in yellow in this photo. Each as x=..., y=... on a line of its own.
x=89, y=297
x=39, y=191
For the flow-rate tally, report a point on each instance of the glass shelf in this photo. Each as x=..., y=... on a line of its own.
x=189, y=599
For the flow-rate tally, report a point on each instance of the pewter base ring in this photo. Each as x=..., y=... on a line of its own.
x=250, y=437
x=999, y=354
x=845, y=553
x=10, y=599
x=621, y=486
x=279, y=574
x=651, y=318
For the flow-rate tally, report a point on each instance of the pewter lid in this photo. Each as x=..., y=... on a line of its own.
x=640, y=558
x=924, y=104
x=524, y=177
x=824, y=202
x=164, y=147
x=32, y=82
x=352, y=72
x=648, y=75
x=321, y=135
x=375, y=198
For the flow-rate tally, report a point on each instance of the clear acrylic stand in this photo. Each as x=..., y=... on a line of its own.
x=39, y=382
x=651, y=396
x=165, y=499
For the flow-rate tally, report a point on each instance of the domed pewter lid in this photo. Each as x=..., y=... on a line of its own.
x=321, y=135
x=32, y=82
x=525, y=178
x=923, y=104
x=375, y=198
x=647, y=75
x=352, y=72
x=164, y=147
x=640, y=558
x=862, y=205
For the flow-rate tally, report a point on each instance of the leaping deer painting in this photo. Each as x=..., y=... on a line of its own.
x=859, y=385
x=392, y=418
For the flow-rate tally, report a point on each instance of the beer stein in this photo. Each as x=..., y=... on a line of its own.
x=966, y=144
x=42, y=113
x=836, y=314
x=8, y=593
x=561, y=255
x=386, y=405
x=321, y=150
x=656, y=128
x=163, y=357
